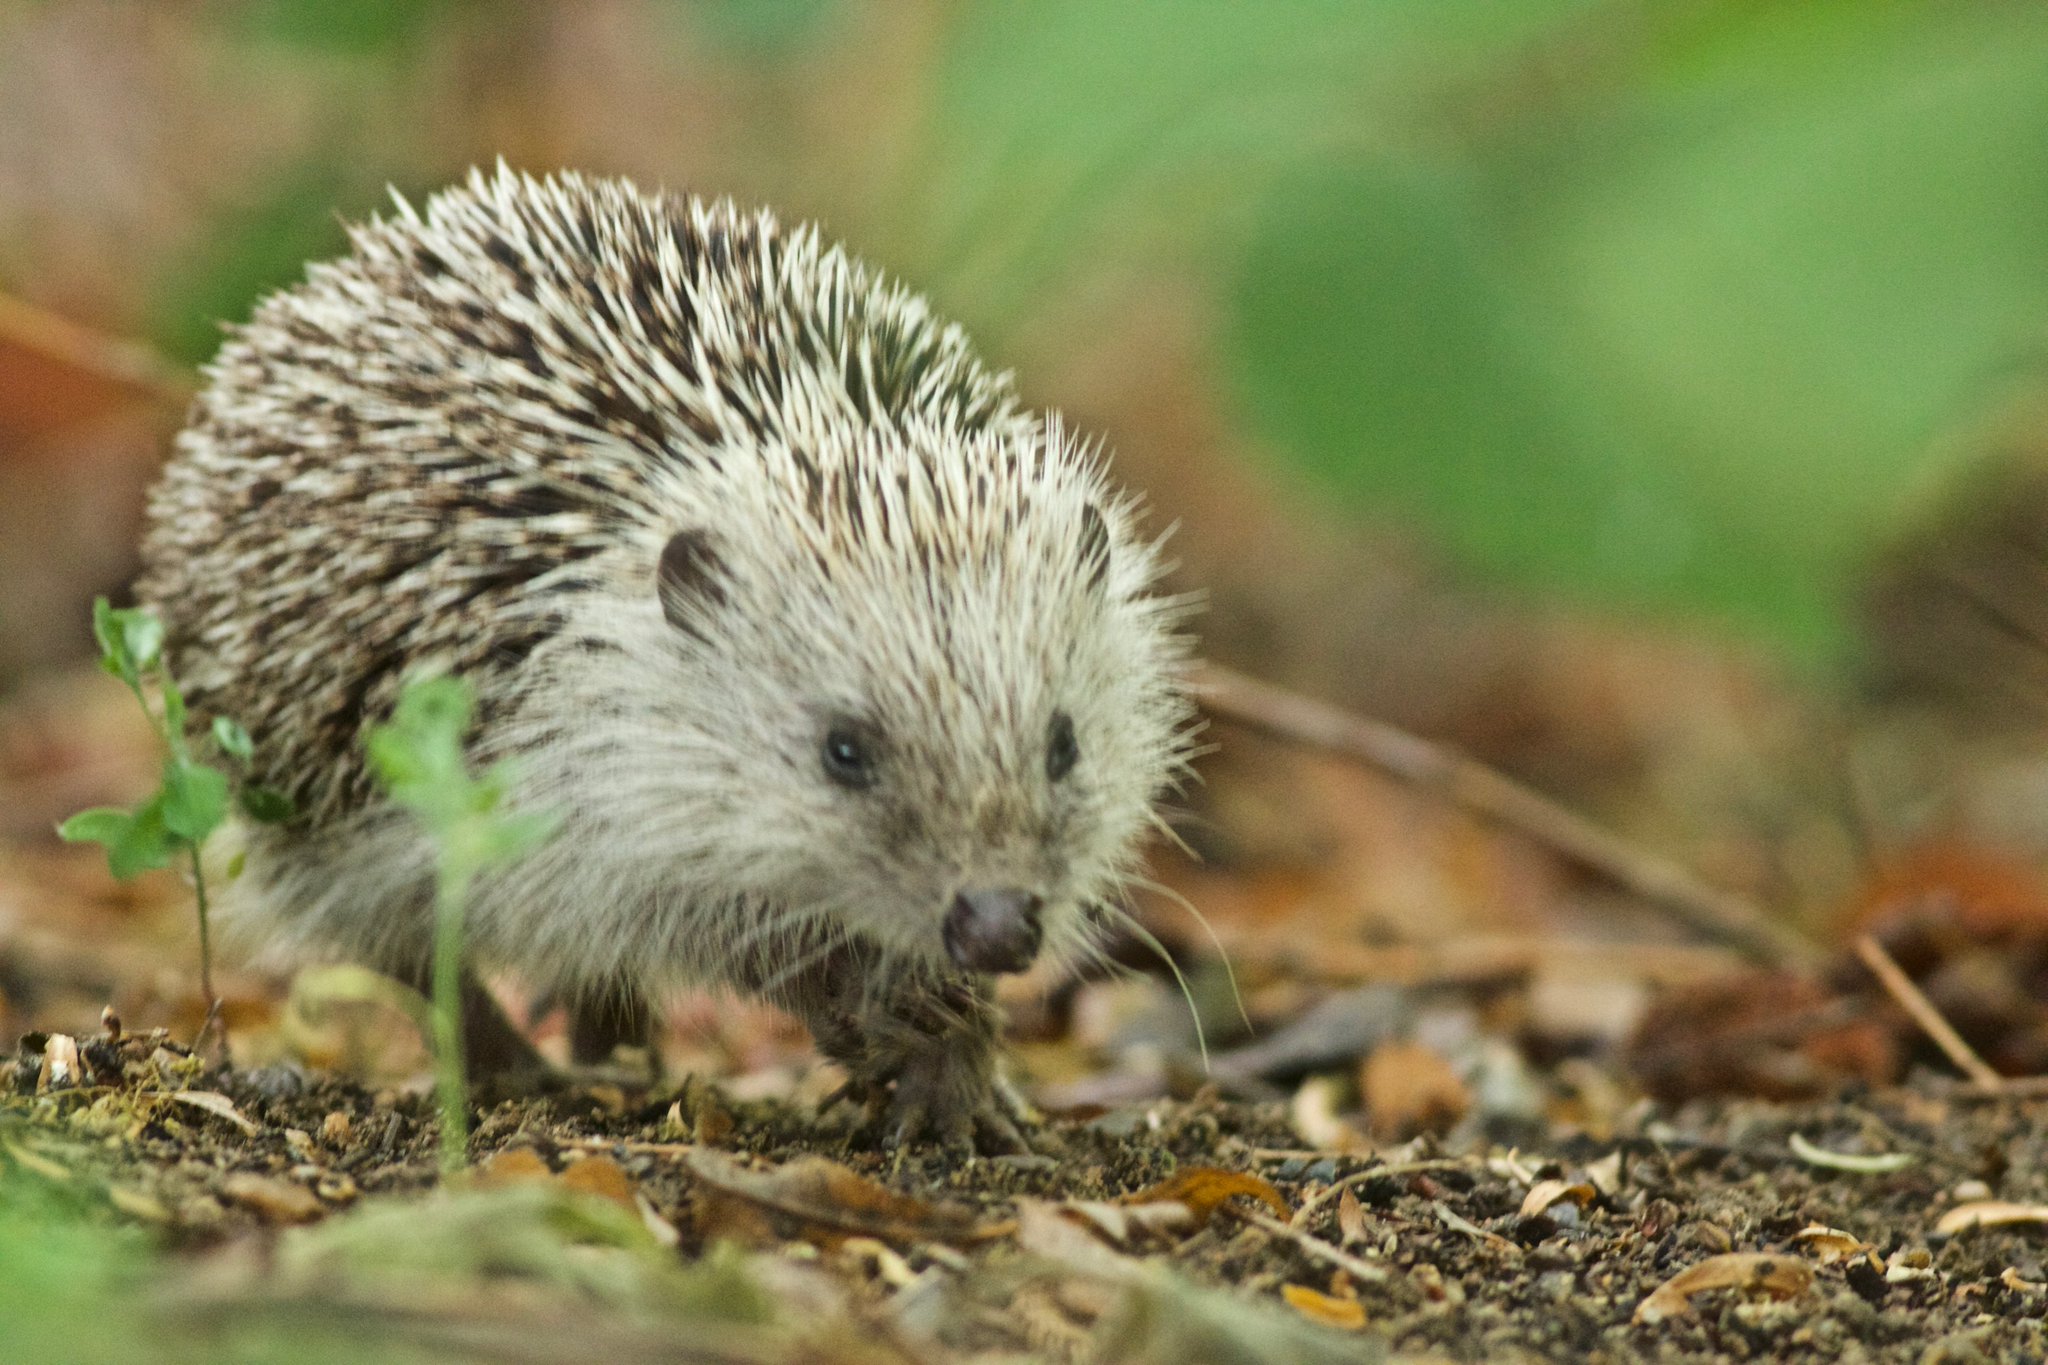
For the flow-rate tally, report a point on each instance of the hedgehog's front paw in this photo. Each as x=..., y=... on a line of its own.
x=924, y=1067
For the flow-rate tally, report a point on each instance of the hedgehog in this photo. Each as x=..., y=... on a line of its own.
x=846, y=677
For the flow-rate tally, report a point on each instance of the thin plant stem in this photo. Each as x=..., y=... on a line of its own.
x=205, y=951
x=451, y=1077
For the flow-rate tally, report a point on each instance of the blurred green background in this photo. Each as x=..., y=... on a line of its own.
x=1672, y=310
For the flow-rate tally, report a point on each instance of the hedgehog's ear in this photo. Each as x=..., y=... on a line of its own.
x=1094, y=546
x=689, y=576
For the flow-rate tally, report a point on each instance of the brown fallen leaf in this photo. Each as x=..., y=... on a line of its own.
x=60, y=1070
x=217, y=1104
x=1829, y=1245
x=1350, y=1217
x=512, y=1166
x=1346, y=1314
x=280, y=1201
x=598, y=1176
x=1408, y=1089
x=1752, y=1272
x=1202, y=1189
x=1546, y=1193
x=2013, y=1280
x=603, y=1177
x=1988, y=1213
x=880, y=1260
x=818, y=1201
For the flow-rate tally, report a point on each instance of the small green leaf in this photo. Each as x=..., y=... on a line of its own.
x=145, y=636
x=511, y=835
x=113, y=647
x=131, y=639
x=145, y=845
x=195, y=798
x=265, y=805
x=101, y=825
x=418, y=755
x=233, y=740
x=103, y=629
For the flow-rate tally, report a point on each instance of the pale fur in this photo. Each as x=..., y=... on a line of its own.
x=465, y=446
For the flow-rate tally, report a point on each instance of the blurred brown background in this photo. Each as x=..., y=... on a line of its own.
x=1605, y=388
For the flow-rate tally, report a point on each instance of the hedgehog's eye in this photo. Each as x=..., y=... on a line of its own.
x=850, y=754
x=1062, y=750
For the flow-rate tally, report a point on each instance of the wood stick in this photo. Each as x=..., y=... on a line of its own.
x=1721, y=916
x=1915, y=1003
x=1358, y=1267
x=128, y=363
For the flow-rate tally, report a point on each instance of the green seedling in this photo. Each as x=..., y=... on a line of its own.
x=191, y=798
x=418, y=757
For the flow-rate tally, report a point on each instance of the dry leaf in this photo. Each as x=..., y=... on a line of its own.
x=598, y=1176
x=2013, y=1280
x=881, y=1260
x=1989, y=1213
x=1752, y=1272
x=603, y=1177
x=700, y=1115
x=1545, y=1193
x=1409, y=1088
x=1350, y=1217
x=280, y=1201
x=815, y=1200
x=1044, y=1229
x=1829, y=1245
x=1313, y=1113
x=512, y=1166
x=1318, y=1307
x=60, y=1070
x=1203, y=1188
x=1606, y=1172
x=1879, y=1164
x=218, y=1105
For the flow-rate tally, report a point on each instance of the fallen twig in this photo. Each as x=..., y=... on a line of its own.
x=1720, y=915
x=1324, y=1197
x=1358, y=1267
x=1481, y=959
x=128, y=363
x=1913, y=1002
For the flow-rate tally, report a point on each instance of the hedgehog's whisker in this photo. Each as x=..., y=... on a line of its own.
x=834, y=941
x=1229, y=971
x=1158, y=949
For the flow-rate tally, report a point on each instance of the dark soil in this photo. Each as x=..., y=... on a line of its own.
x=1438, y=1252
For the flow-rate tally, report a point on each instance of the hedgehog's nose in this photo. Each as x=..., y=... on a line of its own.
x=994, y=930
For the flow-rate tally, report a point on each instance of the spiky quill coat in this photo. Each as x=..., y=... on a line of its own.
x=679, y=491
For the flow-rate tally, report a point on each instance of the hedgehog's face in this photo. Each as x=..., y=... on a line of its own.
x=953, y=754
